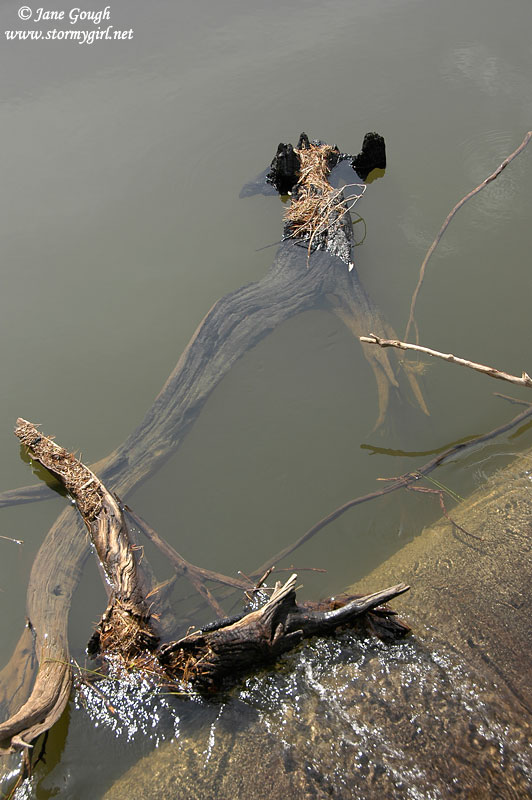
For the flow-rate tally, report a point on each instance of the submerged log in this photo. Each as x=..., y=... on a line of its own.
x=234, y=325
x=237, y=322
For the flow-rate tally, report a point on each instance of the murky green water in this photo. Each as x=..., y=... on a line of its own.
x=121, y=225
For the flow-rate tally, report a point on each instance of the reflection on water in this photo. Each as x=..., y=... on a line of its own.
x=388, y=451
x=128, y=709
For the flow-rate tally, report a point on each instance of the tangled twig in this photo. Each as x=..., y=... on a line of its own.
x=317, y=206
x=445, y=225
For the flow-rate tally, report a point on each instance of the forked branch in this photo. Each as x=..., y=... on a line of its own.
x=401, y=482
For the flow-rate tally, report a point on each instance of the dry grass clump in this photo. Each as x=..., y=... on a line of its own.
x=125, y=632
x=185, y=666
x=316, y=205
x=79, y=481
x=127, y=647
x=311, y=192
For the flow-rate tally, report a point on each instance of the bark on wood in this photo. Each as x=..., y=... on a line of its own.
x=59, y=564
x=126, y=623
x=205, y=658
x=55, y=574
x=43, y=709
x=234, y=325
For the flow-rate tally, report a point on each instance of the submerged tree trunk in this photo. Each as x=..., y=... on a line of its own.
x=295, y=283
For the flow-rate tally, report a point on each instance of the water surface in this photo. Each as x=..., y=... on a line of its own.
x=121, y=225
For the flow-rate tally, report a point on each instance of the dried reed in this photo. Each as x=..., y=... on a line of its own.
x=316, y=206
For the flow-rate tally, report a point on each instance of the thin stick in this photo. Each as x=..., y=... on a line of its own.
x=196, y=575
x=403, y=481
x=439, y=493
x=524, y=380
x=448, y=219
x=512, y=399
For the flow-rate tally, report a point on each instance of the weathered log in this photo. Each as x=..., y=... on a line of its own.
x=127, y=619
x=205, y=658
x=55, y=574
x=126, y=623
x=202, y=658
x=235, y=324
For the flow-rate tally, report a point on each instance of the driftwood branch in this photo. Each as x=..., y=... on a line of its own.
x=126, y=624
x=524, y=380
x=234, y=325
x=401, y=482
x=59, y=563
x=262, y=635
x=50, y=570
x=447, y=221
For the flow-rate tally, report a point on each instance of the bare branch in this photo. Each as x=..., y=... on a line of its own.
x=524, y=380
x=448, y=219
x=126, y=625
x=401, y=482
x=196, y=575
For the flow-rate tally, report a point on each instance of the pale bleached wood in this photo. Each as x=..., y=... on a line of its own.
x=523, y=380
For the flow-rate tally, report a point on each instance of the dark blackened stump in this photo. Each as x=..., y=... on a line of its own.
x=284, y=169
x=372, y=156
x=206, y=658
